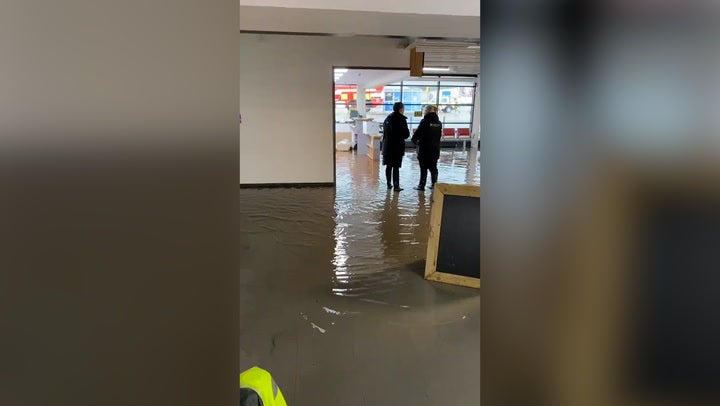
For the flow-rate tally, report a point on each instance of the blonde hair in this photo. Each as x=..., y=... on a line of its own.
x=430, y=108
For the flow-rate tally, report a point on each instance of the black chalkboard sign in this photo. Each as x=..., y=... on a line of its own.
x=454, y=243
x=459, y=245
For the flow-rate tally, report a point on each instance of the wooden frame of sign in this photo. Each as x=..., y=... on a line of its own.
x=431, y=272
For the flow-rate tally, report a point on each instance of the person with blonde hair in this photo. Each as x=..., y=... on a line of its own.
x=427, y=138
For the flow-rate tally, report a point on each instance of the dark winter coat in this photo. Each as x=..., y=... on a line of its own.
x=427, y=138
x=395, y=132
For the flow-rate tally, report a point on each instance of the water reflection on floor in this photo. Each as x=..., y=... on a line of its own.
x=332, y=297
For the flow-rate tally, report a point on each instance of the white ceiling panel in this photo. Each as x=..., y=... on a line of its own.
x=459, y=56
x=344, y=22
x=453, y=8
x=371, y=77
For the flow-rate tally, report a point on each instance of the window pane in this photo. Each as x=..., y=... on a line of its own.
x=344, y=104
x=379, y=112
x=420, y=83
x=381, y=101
x=391, y=94
x=410, y=110
x=457, y=95
x=419, y=94
x=455, y=114
x=457, y=83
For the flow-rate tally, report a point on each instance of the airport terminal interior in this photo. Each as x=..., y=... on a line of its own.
x=335, y=299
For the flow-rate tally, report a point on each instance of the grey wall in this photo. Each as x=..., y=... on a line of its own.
x=118, y=174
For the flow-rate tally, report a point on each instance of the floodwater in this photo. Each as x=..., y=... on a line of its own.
x=333, y=302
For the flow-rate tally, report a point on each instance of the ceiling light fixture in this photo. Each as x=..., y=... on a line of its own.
x=436, y=69
x=474, y=47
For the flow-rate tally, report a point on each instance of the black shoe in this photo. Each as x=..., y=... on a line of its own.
x=418, y=187
x=389, y=186
x=397, y=189
x=432, y=186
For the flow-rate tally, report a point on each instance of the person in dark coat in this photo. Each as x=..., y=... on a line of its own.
x=427, y=138
x=395, y=132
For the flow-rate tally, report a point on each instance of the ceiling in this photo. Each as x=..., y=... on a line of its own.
x=370, y=77
x=459, y=56
x=409, y=23
x=452, y=8
x=457, y=22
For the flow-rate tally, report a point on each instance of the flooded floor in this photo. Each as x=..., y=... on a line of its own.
x=333, y=302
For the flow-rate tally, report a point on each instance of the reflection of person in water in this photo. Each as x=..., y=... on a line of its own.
x=393, y=246
x=422, y=231
x=416, y=226
x=390, y=226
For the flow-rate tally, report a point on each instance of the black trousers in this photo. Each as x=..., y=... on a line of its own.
x=425, y=166
x=392, y=174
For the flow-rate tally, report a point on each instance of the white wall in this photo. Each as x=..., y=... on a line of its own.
x=286, y=101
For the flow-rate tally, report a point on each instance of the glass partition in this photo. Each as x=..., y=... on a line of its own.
x=454, y=99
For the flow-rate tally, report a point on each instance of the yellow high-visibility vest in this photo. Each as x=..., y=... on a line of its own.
x=260, y=381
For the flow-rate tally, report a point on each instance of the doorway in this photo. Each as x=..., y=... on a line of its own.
x=358, y=126
x=362, y=98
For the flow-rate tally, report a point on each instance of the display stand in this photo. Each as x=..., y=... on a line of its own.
x=360, y=134
x=374, y=147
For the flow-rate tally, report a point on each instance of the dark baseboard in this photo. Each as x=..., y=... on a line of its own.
x=285, y=185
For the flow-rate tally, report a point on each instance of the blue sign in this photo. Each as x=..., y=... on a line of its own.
x=390, y=99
